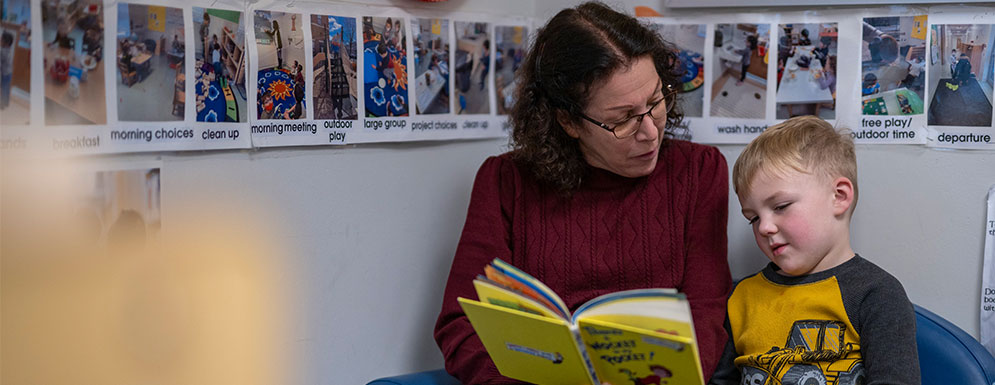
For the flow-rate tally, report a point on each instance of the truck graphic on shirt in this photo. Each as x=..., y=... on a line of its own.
x=814, y=354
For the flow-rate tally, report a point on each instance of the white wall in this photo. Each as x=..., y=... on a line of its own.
x=366, y=235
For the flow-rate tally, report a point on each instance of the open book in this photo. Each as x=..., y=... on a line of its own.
x=642, y=336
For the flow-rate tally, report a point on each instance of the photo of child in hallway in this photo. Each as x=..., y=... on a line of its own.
x=385, y=73
x=280, y=76
x=219, y=52
x=961, y=90
x=151, y=83
x=471, y=69
x=334, y=57
x=739, y=83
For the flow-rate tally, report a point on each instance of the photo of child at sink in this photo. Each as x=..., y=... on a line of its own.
x=740, y=75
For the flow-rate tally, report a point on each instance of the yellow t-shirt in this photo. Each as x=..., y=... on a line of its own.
x=846, y=325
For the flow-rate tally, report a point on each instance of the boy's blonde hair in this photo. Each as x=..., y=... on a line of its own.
x=805, y=144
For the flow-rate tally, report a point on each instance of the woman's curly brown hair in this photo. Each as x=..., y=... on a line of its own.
x=577, y=47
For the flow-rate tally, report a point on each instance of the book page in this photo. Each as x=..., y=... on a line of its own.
x=661, y=303
x=494, y=294
x=527, y=283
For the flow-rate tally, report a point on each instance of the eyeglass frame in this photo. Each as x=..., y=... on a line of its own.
x=671, y=94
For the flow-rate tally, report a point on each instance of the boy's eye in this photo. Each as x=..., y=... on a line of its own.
x=781, y=206
x=754, y=219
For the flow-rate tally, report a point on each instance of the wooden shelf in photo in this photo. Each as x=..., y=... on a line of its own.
x=916, y=51
x=235, y=61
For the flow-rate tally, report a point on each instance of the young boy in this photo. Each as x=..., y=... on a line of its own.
x=818, y=313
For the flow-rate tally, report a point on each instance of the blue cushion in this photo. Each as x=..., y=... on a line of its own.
x=432, y=377
x=948, y=355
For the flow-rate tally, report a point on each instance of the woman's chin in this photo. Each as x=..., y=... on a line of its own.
x=639, y=170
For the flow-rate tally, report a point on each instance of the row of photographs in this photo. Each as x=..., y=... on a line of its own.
x=894, y=62
x=150, y=57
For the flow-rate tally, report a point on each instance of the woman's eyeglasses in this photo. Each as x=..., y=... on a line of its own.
x=628, y=126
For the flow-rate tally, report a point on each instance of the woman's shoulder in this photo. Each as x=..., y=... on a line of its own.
x=498, y=167
x=690, y=162
x=682, y=151
x=500, y=177
x=500, y=161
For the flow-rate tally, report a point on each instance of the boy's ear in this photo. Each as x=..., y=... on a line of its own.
x=842, y=195
x=569, y=126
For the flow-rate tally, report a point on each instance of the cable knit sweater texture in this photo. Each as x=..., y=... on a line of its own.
x=667, y=229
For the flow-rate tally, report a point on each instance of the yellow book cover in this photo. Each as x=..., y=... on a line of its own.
x=642, y=336
x=627, y=355
x=528, y=347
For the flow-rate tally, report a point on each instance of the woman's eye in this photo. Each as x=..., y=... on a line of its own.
x=621, y=121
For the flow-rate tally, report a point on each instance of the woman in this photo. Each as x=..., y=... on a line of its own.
x=593, y=199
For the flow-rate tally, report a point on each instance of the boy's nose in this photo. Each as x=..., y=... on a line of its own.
x=767, y=228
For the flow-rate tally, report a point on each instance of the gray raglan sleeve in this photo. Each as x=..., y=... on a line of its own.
x=885, y=321
x=726, y=373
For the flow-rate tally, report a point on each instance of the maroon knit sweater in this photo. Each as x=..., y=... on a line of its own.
x=615, y=233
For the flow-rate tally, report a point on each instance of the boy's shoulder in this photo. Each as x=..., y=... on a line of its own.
x=865, y=280
x=855, y=276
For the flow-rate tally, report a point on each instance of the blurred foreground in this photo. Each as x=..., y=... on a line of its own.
x=95, y=290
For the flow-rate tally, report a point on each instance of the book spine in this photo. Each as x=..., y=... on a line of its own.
x=582, y=348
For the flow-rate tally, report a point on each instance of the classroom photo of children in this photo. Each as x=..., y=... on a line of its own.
x=219, y=65
x=689, y=41
x=472, y=63
x=15, y=63
x=385, y=72
x=893, y=65
x=280, y=76
x=431, y=65
x=510, y=44
x=151, y=81
x=73, y=35
x=806, y=73
x=739, y=83
x=961, y=75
